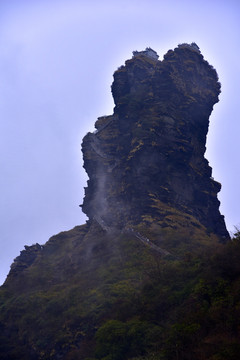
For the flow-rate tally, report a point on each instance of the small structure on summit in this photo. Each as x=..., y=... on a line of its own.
x=147, y=52
x=192, y=46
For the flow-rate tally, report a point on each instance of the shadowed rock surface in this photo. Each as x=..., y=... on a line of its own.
x=146, y=162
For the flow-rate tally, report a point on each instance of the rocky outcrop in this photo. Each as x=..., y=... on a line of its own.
x=146, y=162
x=25, y=259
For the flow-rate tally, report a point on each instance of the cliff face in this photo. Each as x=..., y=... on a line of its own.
x=147, y=271
x=146, y=161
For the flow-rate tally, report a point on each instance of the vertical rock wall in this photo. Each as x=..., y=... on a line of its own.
x=146, y=161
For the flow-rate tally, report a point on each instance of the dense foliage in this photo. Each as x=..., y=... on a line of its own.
x=187, y=309
x=127, y=302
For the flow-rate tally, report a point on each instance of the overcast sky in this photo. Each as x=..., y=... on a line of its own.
x=57, y=59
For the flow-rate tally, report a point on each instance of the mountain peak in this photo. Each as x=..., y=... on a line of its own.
x=140, y=276
x=146, y=161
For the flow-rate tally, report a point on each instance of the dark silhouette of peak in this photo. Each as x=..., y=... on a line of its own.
x=146, y=161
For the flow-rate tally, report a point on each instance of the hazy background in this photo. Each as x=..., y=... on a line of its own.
x=57, y=59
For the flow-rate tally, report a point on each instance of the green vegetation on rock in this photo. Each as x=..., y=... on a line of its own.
x=153, y=274
x=121, y=299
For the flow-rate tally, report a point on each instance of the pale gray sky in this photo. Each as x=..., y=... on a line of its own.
x=57, y=59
